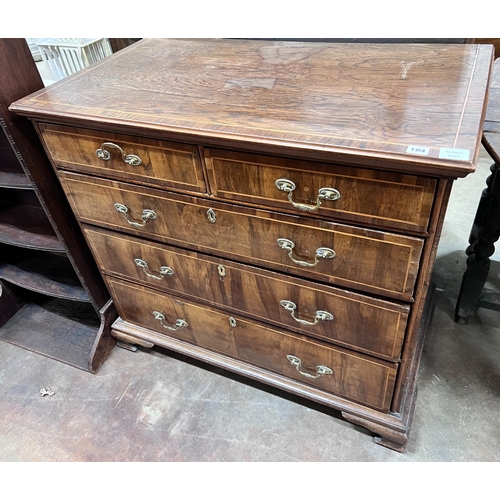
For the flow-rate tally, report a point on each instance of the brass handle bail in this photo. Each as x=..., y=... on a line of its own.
x=180, y=323
x=105, y=155
x=320, y=369
x=146, y=216
x=157, y=275
x=320, y=315
x=324, y=193
x=322, y=252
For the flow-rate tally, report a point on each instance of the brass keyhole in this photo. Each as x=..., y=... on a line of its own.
x=212, y=218
x=221, y=270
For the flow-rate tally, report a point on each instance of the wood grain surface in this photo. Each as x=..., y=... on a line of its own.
x=364, y=323
x=170, y=165
x=369, y=100
x=405, y=205
x=357, y=377
x=366, y=260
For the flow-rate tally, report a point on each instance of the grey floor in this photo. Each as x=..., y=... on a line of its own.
x=157, y=406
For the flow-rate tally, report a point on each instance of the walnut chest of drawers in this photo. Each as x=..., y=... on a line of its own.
x=273, y=208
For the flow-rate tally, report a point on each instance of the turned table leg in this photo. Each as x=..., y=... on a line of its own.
x=485, y=232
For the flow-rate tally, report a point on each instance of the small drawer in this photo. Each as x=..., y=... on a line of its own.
x=369, y=325
x=368, y=197
x=362, y=259
x=341, y=372
x=116, y=156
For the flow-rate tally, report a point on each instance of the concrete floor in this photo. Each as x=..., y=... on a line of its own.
x=153, y=406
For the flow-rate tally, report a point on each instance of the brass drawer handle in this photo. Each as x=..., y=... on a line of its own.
x=320, y=369
x=320, y=315
x=180, y=323
x=104, y=154
x=147, y=215
x=328, y=194
x=322, y=252
x=157, y=275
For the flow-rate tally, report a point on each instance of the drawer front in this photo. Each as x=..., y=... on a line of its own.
x=356, y=377
x=369, y=325
x=371, y=198
x=366, y=260
x=166, y=164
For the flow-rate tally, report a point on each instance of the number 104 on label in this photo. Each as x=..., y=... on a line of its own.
x=417, y=150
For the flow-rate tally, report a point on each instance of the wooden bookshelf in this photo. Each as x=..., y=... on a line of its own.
x=52, y=298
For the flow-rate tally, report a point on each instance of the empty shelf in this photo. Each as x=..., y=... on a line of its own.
x=11, y=173
x=15, y=180
x=27, y=226
x=44, y=273
x=53, y=333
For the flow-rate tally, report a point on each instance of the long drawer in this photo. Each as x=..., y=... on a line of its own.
x=147, y=161
x=366, y=260
x=339, y=371
x=372, y=198
x=353, y=320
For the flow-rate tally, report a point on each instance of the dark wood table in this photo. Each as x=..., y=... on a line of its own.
x=486, y=227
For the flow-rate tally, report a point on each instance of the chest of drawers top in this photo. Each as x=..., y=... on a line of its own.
x=408, y=107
